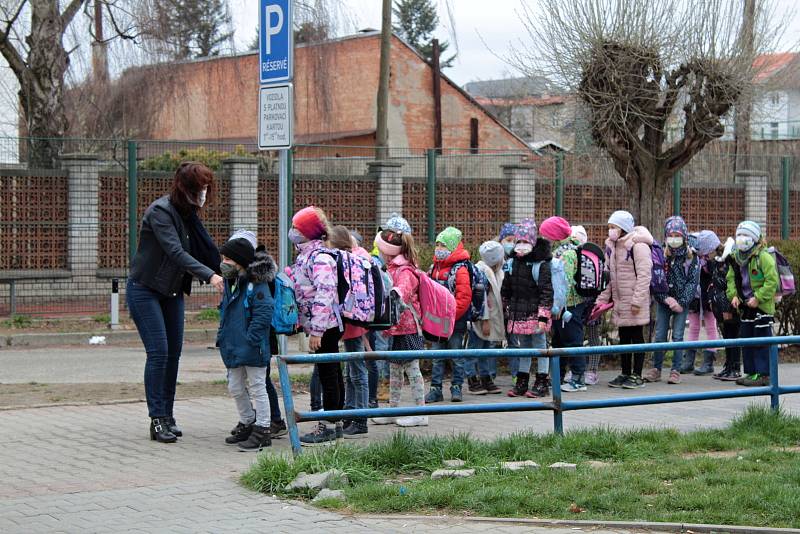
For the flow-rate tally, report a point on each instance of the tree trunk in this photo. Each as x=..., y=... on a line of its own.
x=649, y=189
x=382, y=130
x=42, y=84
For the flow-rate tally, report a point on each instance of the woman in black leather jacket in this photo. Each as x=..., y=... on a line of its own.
x=174, y=247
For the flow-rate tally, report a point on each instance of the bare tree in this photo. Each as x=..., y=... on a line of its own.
x=639, y=67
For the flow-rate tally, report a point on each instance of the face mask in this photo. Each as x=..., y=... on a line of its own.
x=614, y=233
x=744, y=243
x=523, y=249
x=296, y=237
x=228, y=271
x=675, y=242
x=508, y=248
x=441, y=254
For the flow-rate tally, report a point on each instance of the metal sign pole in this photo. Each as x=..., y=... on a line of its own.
x=283, y=221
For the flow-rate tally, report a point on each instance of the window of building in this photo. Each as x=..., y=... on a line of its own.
x=774, y=129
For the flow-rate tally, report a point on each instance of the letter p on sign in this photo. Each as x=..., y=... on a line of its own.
x=271, y=29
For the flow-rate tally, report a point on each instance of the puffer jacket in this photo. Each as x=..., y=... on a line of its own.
x=243, y=337
x=406, y=283
x=683, y=276
x=764, y=279
x=630, y=268
x=494, y=305
x=526, y=301
x=315, y=283
x=440, y=272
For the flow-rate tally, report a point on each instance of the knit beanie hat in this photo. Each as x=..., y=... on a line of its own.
x=508, y=230
x=579, y=233
x=245, y=234
x=450, y=237
x=749, y=228
x=492, y=253
x=707, y=242
x=555, y=229
x=623, y=219
x=676, y=224
x=239, y=250
x=309, y=223
x=526, y=231
x=397, y=223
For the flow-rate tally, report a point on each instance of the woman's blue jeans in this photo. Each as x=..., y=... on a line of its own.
x=159, y=320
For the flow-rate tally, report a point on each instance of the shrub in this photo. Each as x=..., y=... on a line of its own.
x=169, y=161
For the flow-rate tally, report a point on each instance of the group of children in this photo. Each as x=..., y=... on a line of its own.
x=693, y=277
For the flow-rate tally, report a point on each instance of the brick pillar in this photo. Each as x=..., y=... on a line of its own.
x=390, y=188
x=84, y=215
x=755, y=196
x=243, y=175
x=521, y=190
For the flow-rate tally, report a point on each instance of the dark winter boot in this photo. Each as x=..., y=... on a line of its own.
x=489, y=385
x=475, y=386
x=687, y=366
x=541, y=386
x=159, y=431
x=173, y=426
x=520, y=386
x=708, y=364
x=239, y=434
x=259, y=438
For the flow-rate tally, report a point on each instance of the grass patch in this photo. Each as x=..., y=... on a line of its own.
x=19, y=321
x=208, y=314
x=102, y=318
x=650, y=479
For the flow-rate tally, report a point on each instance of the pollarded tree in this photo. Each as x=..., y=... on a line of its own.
x=640, y=68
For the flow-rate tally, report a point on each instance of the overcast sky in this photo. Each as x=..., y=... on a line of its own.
x=484, y=29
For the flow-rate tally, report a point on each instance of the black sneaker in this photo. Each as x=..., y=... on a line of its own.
x=723, y=373
x=731, y=376
x=259, y=438
x=239, y=434
x=278, y=429
x=633, y=382
x=475, y=386
x=520, y=385
x=540, y=387
x=489, y=385
x=355, y=430
x=617, y=382
x=321, y=435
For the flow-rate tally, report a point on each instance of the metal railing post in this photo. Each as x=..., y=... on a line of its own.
x=774, y=382
x=555, y=384
x=288, y=405
x=431, y=190
x=133, y=217
x=786, y=166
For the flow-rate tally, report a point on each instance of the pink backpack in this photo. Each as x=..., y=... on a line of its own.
x=438, y=307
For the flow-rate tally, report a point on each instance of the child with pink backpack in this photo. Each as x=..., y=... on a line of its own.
x=396, y=244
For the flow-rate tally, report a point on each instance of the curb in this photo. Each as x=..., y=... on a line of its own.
x=82, y=338
x=630, y=525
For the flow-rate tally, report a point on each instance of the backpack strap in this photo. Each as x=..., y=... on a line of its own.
x=451, y=275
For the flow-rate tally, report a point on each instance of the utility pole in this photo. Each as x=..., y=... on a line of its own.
x=744, y=108
x=437, y=98
x=382, y=133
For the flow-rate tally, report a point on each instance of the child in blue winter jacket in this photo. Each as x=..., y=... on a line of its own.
x=672, y=308
x=243, y=338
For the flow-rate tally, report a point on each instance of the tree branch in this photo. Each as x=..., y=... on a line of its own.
x=70, y=11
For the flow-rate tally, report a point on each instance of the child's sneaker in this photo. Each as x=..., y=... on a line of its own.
x=590, y=378
x=731, y=376
x=278, y=429
x=259, y=438
x=434, y=395
x=321, y=435
x=574, y=385
x=239, y=434
x=383, y=420
x=674, y=377
x=540, y=387
x=520, y=386
x=489, y=385
x=633, y=382
x=475, y=386
x=413, y=420
x=617, y=382
x=455, y=394
x=356, y=429
x=653, y=375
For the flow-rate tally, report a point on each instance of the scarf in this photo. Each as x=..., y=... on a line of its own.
x=201, y=246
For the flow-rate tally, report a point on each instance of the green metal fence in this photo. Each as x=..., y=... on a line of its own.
x=69, y=230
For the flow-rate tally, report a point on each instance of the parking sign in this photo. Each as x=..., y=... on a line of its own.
x=275, y=39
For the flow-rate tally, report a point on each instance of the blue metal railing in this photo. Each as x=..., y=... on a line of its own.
x=556, y=405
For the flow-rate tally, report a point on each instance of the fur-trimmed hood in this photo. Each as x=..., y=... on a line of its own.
x=263, y=268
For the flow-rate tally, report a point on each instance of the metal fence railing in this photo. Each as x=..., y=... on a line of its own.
x=556, y=405
x=68, y=224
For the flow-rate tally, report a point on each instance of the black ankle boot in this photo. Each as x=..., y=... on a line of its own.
x=159, y=431
x=173, y=426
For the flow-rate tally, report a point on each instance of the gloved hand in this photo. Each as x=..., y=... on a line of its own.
x=673, y=305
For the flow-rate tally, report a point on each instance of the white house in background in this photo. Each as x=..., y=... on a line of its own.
x=776, y=106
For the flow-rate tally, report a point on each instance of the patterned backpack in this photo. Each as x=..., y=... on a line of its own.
x=591, y=276
x=359, y=286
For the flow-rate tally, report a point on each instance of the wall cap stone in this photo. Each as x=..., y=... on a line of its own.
x=384, y=163
x=240, y=159
x=513, y=166
x=78, y=156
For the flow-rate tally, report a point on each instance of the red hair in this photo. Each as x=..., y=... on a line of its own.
x=190, y=179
